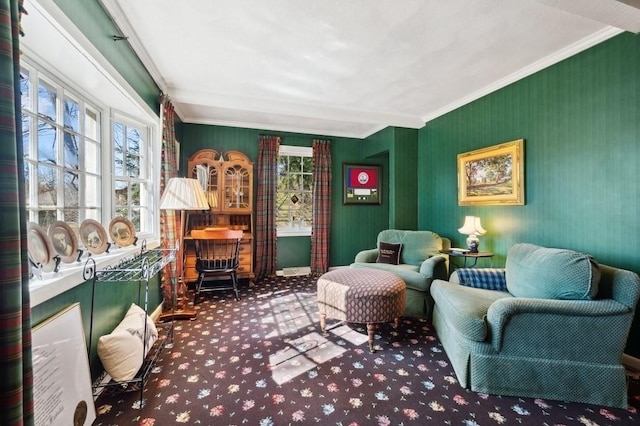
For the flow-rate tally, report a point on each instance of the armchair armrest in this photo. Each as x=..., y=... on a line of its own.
x=563, y=322
x=367, y=256
x=435, y=267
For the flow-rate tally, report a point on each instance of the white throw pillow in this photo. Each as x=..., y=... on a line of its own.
x=121, y=351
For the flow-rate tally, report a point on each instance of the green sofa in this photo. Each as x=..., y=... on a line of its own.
x=553, y=324
x=421, y=261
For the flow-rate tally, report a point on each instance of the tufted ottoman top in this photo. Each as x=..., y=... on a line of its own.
x=361, y=295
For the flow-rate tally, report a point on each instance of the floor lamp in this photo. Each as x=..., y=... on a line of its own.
x=180, y=195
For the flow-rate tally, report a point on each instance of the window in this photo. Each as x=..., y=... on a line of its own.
x=62, y=144
x=131, y=185
x=295, y=191
x=82, y=161
x=63, y=148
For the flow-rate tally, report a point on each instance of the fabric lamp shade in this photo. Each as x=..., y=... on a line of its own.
x=472, y=226
x=183, y=194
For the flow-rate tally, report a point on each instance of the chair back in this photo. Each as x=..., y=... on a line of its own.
x=216, y=249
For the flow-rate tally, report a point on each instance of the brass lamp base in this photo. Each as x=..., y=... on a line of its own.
x=178, y=314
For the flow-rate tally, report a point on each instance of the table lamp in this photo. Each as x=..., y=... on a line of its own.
x=182, y=194
x=472, y=227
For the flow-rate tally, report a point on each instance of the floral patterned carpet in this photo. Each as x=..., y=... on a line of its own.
x=263, y=361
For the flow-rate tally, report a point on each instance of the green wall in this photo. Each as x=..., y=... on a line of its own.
x=581, y=123
x=353, y=227
x=398, y=147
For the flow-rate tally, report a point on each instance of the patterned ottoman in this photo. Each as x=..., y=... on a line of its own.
x=362, y=295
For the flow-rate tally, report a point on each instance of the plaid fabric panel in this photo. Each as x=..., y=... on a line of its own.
x=265, y=230
x=16, y=396
x=321, y=226
x=169, y=220
x=485, y=278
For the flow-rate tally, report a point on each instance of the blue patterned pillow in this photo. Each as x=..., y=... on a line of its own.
x=485, y=278
x=549, y=273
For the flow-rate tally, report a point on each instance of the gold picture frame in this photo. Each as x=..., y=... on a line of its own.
x=492, y=176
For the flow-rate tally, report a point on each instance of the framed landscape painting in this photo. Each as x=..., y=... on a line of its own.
x=492, y=176
x=361, y=184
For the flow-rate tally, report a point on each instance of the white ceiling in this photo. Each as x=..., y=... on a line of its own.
x=352, y=67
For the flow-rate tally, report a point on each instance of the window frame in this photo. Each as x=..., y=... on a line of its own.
x=296, y=151
x=146, y=208
x=32, y=159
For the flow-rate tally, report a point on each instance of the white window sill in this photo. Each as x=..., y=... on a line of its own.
x=294, y=232
x=71, y=275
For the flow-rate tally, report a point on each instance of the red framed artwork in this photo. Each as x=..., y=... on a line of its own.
x=361, y=184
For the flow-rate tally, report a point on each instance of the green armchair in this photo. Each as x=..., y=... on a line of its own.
x=420, y=262
x=553, y=324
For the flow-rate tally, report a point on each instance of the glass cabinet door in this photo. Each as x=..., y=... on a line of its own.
x=208, y=174
x=237, y=187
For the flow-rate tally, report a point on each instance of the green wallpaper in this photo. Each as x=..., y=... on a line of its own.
x=397, y=148
x=581, y=123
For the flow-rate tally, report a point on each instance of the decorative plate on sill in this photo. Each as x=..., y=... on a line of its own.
x=93, y=236
x=122, y=231
x=40, y=249
x=64, y=240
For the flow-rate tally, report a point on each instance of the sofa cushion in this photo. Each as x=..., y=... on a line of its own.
x=389, y=253
x=465, y=308
x=550, y=273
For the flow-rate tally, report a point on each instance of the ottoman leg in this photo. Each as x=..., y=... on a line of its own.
x=323, y=324
x=371, y=328
x=396, y=322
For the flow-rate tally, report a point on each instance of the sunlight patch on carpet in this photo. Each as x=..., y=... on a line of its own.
x=290, y=313
x=345, y=332
x=302, y=355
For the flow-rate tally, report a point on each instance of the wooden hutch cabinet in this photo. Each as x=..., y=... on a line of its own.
x=229, y=191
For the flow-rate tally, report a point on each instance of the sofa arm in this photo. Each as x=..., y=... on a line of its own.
x=434, y=267
x=367, y=256
x=569, y=322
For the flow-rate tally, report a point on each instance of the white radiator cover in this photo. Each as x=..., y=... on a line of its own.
x=295, y=272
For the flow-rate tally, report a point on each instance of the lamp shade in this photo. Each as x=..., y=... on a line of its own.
x=472, y=226
x=183, y=194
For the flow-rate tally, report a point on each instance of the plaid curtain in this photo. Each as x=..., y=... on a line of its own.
x=168, y=218
x=321, y=226
x=265, y=233
x=16, y=394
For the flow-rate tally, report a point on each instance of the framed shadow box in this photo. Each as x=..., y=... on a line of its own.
x=361, y=184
